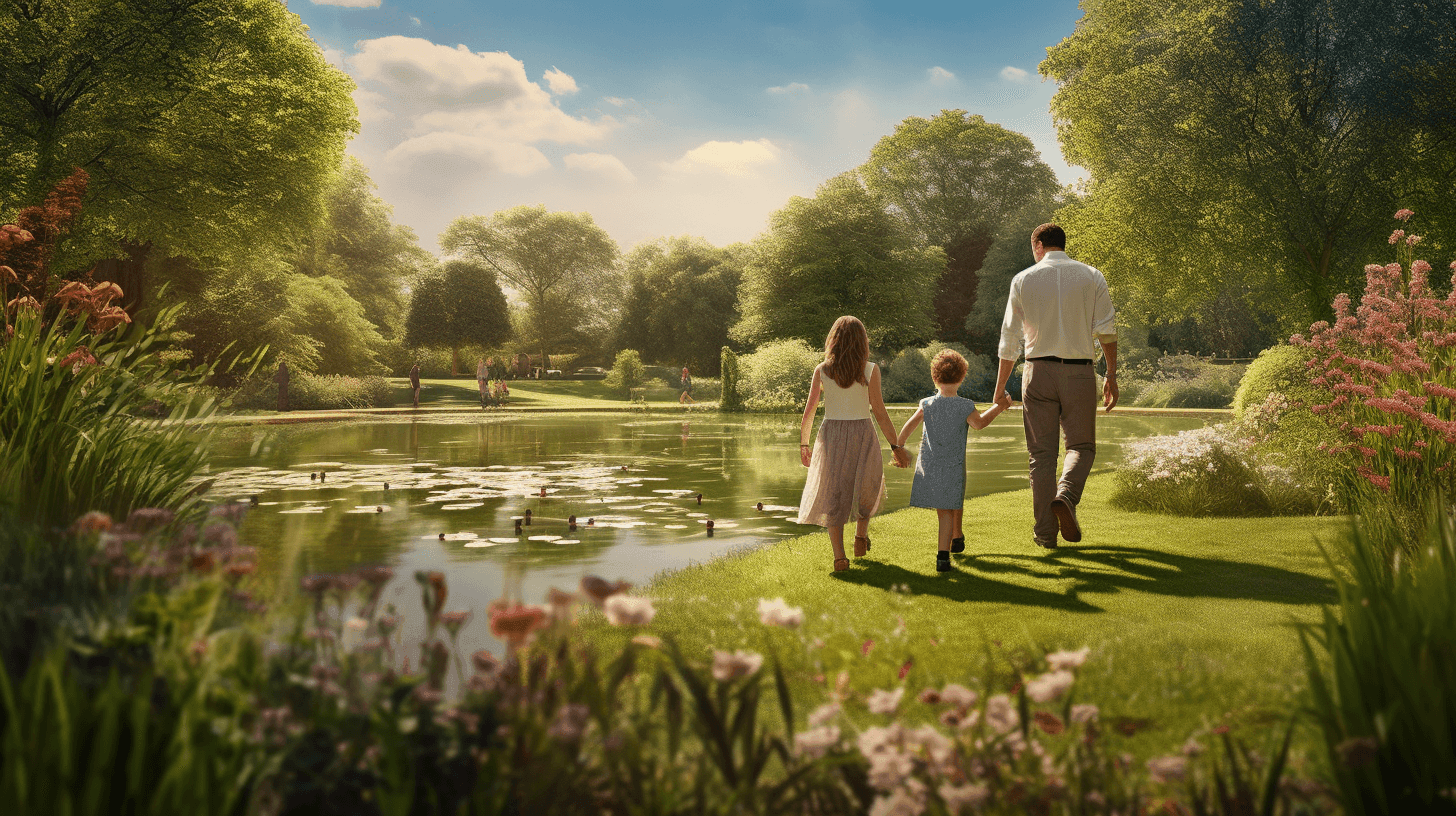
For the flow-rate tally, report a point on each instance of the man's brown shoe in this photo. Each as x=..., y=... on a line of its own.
x=1066, y=515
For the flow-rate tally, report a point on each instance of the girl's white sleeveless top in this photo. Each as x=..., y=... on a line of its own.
x=846, y=403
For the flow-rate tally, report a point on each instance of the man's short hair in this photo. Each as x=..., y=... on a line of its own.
x=1050, y=236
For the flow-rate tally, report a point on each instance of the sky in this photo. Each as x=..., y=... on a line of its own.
x=666, y=118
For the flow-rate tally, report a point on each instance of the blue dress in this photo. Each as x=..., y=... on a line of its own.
x=940, y=469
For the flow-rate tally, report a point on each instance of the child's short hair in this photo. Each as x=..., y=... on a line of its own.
x=948, y=367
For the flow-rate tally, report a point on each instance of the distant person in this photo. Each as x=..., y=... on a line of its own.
x=414, y=378
x=282, y=379
x=687, y=387
x=1057, y=308
x=846, y=479
x=482, y=382
x=940, y=468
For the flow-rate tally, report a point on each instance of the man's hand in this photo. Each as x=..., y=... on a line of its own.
x=1109, y=393
x=1004, y=400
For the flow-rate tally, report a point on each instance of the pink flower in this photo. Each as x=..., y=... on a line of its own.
x=1050, y=686
x=1403, y=215
x=1168, y=769
x=1084, y=713
x=1396, y=236
x=1412, y=240
x=625, y=610
x=733, y=665
x=960, y=799
x=571, y=720
x=778, y=613
x=1001, y=714
x=1068, y=660
x=884, y=702
x=816, y=742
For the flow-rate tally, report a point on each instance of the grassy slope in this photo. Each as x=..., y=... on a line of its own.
x=1188, y=619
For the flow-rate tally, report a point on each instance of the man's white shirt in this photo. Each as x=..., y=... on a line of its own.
x=1058, y=308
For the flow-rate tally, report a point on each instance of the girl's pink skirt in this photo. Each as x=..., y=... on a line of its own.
x=846, y=474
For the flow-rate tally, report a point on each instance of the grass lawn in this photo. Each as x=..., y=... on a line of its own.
x=1189, y=620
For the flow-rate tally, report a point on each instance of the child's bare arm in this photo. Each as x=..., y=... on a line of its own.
x=910, y=425
x=981, y=420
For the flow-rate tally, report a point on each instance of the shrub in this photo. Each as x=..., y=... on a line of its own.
x=1283, y=369
x=731, y=399
x=1184, y=381
x=777, y=375
x=907, y=377
x=1380, y=667
x=627, y=372
x=315, y=392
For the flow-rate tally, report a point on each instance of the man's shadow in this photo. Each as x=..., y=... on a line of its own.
x=1113, y=569
x=961, y=585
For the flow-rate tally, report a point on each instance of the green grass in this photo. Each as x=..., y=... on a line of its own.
x=1189, y=620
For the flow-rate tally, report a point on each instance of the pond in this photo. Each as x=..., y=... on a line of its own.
x=335, y=495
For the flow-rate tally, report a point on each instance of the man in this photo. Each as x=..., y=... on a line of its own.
x=414, y=379
x=1057, y=307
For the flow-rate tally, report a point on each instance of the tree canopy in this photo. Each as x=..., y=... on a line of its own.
x=956, y=177
x=460, y=305
x=840, y=252
x=1245, y=144
x=557, y=261
x=682, y=299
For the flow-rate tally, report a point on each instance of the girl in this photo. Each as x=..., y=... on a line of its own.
x=940, y=470
x=687, y=385
x=482, y=380
x=846, y=474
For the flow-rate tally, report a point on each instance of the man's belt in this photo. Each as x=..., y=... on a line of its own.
x=1058, y=360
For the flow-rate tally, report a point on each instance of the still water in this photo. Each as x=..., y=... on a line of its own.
x=391, y=488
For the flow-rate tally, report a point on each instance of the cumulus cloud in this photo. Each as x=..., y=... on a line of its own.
x=728, y=158
x=348, y=3
x=601, y=164
x=560, y=82
x=373, y=107
x=789, y=89
x=1013, y=74
x=615, y=100
x=940, y=76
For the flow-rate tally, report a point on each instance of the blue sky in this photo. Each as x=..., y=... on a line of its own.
x=666, y=118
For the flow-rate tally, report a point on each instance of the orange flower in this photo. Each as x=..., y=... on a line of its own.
x=26, y=302
x=599, y=589
x=108, y=319
x=78, y=358
x=92, y=522
x=106, y=291
x=515, y=624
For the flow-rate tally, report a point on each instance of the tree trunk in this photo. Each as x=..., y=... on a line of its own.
x=455, y=362
x=130, y=273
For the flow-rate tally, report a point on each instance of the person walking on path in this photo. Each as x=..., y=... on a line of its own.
x=482, y=382
x=687, y=387
x=414, y=378
x=1057, y=307
x=846, y=479
x=282, y=379
x=940, y=469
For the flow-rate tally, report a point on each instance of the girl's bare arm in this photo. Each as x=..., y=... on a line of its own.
x=815, y=391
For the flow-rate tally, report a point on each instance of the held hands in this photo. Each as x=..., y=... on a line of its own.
x=902, y=457
x=806, y=454
x=1004, y=400
x=1109, y=393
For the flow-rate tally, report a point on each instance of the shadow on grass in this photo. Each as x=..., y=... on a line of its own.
x=961, y=585
x=1114, y=569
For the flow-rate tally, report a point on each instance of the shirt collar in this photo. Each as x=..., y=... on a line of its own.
x=1055, y=255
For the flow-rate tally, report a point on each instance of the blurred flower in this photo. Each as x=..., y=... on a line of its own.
x=599, y=590
x=1050, y=686
x=571, y=719
x=454, y=621
x=92, y=522
x=649, y=641
x=816, y=742
x=929, y=696
x=560, y=603
x=733, y=665
x=908, y=800
x=425, y=695
x=884, y=702
x=958, y=798
x=515, y=624
x=1192, y=747
x=1357, y=752
x=958, y=695
x=1049, y=722
x=1001, y=714
x=1168, y=768
x=778, y=613
x=144, y=519
x=1084, y=713
x=889, y=767
x=625, y=610
x=1403, y=214
x=824, y=714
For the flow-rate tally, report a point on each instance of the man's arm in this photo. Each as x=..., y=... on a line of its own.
x=1012, y=336
x=1109, y=386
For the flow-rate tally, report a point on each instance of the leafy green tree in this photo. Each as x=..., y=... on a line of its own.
x=1246, y=144
x=205, y=125
x=840, y=252
x=460, y=305
x=627, y=372
x=556, y=260
x=681, y=301
x=955, y=177
x=321, y=309
x=731, y=400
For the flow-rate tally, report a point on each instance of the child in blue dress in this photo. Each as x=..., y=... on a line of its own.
x=940, y=469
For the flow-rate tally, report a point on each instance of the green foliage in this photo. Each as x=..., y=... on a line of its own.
x=682, y=297
x=1281, y=369
x=68, y=435
x=314, y=392
x=1380, y=666
x=460, y=305
x=322, y=310
x=1010, y=253
x=838, y=253
x=1253, y=147
x=777, y=375
x=955, y=177
x=46, y=584
x=204, y=125
x=627, y=372
x=732, y=399
x=907, y=377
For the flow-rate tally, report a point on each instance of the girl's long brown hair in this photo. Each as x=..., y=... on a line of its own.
x=846, y=350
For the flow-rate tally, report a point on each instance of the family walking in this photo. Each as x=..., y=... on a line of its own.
x=1057, y=309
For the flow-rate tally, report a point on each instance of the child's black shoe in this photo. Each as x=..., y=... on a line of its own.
x=942, y=562
x=958, y=544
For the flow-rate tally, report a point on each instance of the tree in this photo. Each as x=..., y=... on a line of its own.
x=840, y=252
x=955, y=178
x=1246, y=144
x=461, y=304
x=681, y=301
x=556, y=261
x=204, y=124
x=1009, y=254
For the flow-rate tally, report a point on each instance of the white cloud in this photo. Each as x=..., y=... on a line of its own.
x=1013, y=74
x=348, y=3
x=452, y=153
x=615, y=100
x=789, y=89
x=940, y=76
x=560, y=82
x=602, y=164
x=373, y=107
x=728, y=158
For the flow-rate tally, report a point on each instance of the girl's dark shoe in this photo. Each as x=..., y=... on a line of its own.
x=958, y=544
x=942, y=562
x=841, y=564
x=861, y=546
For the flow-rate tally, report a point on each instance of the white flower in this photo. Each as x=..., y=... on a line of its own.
x=1168, y=768
x=937, y=746
x=1001, y=714
x=1192, y=747
x=889, y=768
x=777, y=613
x=1084, y=713
x=959, y=797
x=824, y=714
x=625, y=610
x=1050, y=686
x=885, y=702
x=876, y=739
x=1068, y=660
x=906, y=801
x=357, y=624
x=733, y=665
x=958, y=695
x=816, y=742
